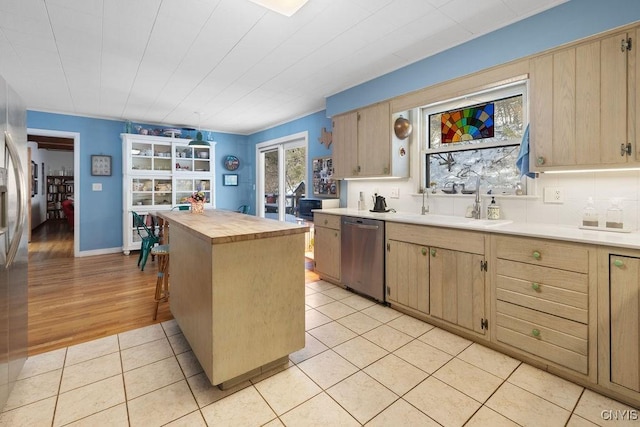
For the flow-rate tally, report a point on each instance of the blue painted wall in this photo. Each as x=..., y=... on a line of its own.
x=101, y=211
x=568, y=22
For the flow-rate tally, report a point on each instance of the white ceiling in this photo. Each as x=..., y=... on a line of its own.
x=230, y=64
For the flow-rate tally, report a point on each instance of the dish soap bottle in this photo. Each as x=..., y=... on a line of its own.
x=493, y=210
x=590, y=215
x=614, y=214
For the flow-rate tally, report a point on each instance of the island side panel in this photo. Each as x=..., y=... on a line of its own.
x=190, y=292
x=258, y=303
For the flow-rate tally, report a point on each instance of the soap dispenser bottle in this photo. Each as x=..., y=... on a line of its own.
x=614, y=214
x=590, y=215
x=493, y=210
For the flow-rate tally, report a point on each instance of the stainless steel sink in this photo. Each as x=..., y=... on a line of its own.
x=489, y=222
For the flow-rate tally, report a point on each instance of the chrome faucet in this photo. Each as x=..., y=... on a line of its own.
x=425, y=208
x=477, y=205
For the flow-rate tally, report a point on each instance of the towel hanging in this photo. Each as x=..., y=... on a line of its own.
x=522, y=162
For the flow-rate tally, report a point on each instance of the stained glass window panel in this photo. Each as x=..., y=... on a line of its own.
x=467, y=124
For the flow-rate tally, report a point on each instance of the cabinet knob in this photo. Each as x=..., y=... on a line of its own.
x=535, y=332
x=536, y=254
x=618, y=263
x=535, y=286
x=433, y=252
x=335, y=234
x=424, y=251
x=540, y=160
x=326, y=222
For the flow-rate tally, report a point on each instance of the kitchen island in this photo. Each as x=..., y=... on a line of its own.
x=237, y=290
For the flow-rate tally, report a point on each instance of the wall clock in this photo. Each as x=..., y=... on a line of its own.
x=231, y=163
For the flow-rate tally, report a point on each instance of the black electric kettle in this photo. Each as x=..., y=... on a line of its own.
x=379, y=204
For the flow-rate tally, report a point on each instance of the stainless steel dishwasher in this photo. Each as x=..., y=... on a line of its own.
x=362, y=256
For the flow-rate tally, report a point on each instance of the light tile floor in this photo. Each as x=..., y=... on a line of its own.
x=363, y=363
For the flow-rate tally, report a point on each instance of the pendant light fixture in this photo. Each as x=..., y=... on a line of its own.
x=199, y=142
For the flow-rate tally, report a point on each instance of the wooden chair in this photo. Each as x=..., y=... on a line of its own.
x=162, y=282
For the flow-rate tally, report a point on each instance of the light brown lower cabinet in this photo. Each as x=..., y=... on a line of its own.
x=438, y=274
x=457, y=282
x=542, y=304
x=408, y=275
x=327, y=247
x=619, y=321
x=570, y=308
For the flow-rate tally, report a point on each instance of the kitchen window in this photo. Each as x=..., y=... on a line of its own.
x=476, y=135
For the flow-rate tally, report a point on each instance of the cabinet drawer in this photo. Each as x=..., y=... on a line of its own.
x=546, y=253
x=558, y=292
x=558, y=340
x=446, y=238
x=324, y=220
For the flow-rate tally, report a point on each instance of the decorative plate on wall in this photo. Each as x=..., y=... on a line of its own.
x=231, y=163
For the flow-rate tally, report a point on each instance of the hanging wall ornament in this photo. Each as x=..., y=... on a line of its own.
x=326, y=138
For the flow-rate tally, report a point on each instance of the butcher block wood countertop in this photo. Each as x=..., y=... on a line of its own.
x=221, y=226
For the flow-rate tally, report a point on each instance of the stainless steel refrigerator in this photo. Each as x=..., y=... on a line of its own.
x=13, y=238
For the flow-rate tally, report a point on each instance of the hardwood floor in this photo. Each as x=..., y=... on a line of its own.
x=73, y=300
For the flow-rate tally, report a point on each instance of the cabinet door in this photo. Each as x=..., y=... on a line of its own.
x=327, y=252
x=613, y=107
x=624, y=291
x=456, y=282
x=634, y=94
x=553, y=100
x=583, y=105
x=374, y=140
x=408, y=275
x=345, y=145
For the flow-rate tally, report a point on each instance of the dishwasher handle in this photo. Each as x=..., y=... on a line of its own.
x=362, y=226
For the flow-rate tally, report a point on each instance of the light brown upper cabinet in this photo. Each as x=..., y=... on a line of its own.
x=584, y=104
x=362, y=142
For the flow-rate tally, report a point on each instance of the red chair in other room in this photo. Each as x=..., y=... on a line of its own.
x=67, y=208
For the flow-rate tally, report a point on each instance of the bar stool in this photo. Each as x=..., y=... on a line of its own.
x=162, y=283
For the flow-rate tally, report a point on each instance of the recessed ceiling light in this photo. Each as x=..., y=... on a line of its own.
x=284, y=7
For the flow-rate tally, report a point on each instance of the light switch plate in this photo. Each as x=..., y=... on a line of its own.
x=395, y=193
x=553, y=195
x=96, y=186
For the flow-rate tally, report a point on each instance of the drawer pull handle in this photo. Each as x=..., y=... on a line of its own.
x=536, y=254
x=535, y=332
x=424, y=251
x=535, y=286
x=433, y=252
x=618, y=263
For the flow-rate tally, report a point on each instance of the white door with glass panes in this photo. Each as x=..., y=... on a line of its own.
x=281, y=174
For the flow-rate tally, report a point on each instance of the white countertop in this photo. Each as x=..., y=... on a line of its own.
x=557, y=232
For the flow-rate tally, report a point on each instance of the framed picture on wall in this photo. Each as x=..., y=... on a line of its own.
x=322, y=176
x=230, y=179
x=44, y=181
x=100, y=165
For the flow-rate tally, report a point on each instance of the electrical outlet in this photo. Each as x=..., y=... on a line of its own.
x=395, y=193
x=553, y=195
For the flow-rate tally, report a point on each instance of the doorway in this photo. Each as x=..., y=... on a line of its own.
x=58, y=160
x=281, y=176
